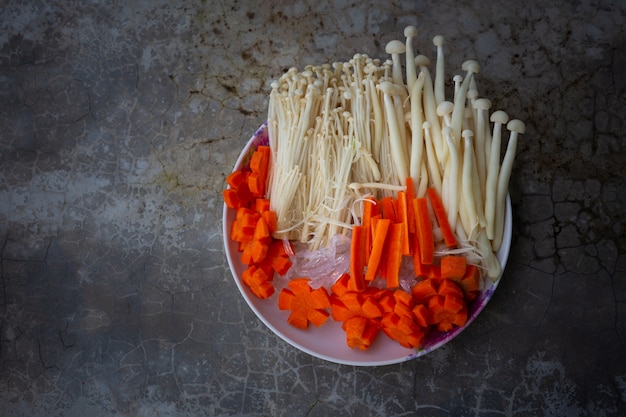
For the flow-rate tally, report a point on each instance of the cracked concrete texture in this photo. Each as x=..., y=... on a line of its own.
x=120, y=121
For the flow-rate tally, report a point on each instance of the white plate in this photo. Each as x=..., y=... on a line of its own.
x=328, y=342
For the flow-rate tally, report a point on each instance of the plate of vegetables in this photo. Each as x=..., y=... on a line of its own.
x=368, y=222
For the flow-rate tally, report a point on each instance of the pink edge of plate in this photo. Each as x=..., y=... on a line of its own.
x=328, y=341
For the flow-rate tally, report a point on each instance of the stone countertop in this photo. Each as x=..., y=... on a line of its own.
x=119, y=122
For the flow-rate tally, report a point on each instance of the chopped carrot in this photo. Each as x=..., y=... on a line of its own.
x=358, y=254
x=340, y=286
x=306, y=304
x=448, y=311
x=360, y=332
x=258, y=250
x=423, y=290
x=424, y=230
x=449, y=287
x=259, y=165
x=453, y=267
x=270, y=219
x=258, y=282
x=423, y=316
x=237, y=179
x=262, y=231
x=470, y=282
x=378, y=245
x=403, y=329
x=261, y=205
x=442, y=218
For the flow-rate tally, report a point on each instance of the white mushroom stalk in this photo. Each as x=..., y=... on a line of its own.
x=344, y=131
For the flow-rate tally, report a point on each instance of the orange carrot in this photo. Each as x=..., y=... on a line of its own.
x=388, y=209
x=358, y=254
x=306, y=304
x=423, y=290
x=393, y=258
x=470, y=282
x=258, y=281
x=360, y=332
x=378, y=245
x=442, y=218
x=453, y=267
x=403, y=329
x=403, y=218
x=261, y=205
x=370, y=209
x=410, y=196
x=424, y=231
x=419, y=269
x=259, y=165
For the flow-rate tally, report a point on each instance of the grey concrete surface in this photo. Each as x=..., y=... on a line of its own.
x=118, y=124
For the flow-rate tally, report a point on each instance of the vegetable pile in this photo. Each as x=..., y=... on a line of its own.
x=416, y=185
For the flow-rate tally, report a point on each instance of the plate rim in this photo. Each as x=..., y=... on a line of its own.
x=502, y=255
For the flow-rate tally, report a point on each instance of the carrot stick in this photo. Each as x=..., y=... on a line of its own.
x=410, y=195
x=393, y=249
x=358, y=254
x=442, y=218
x=378, y=245
x=370, y=208
x=388, y=209
x=403, y=218
x=425, y=231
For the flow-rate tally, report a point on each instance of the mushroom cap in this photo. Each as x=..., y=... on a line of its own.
x=482, y=104
x=445, y=107
x=410, y=31
x=467, y=133
x=471, y=65
x=387, y=87
x=499, y=116
x=439, y=40
x=516, y=125
x=421, y=61
x=395, y=47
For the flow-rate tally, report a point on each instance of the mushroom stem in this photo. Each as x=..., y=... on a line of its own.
x=516, y=127
x=411, y=76
x=395, y=138
x=493, y=168
x=417, y=132
x=440, y=94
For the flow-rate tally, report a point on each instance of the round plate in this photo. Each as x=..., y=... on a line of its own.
x=328, y=341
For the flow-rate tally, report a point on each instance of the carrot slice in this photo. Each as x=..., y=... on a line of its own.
x=403, y=329
x=360, y=332
x=423, y=316
x=442, y=218
x=423, y=290
x=471, y=282
x=306, y=304
x=453, y=267
x=424, y=231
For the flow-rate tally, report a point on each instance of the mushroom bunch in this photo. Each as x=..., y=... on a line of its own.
x=339, y=133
